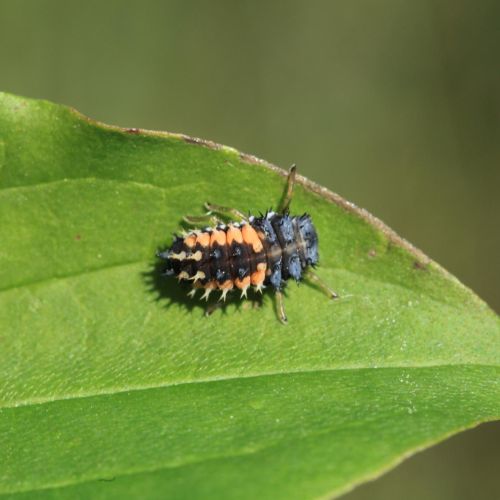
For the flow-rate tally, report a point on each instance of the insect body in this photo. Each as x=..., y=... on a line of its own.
x=257, y=252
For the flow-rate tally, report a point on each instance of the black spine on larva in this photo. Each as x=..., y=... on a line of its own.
x=219, y=263
x=290, y=244
x=272, y=249
x=291, y=266
x=309, y=239
x=239, y=260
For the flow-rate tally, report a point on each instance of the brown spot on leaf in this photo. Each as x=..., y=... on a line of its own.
x=201, y=142
x=133, y=130
x=372, y=253
x=420, y=266
x=78, y=237
x=191, y=140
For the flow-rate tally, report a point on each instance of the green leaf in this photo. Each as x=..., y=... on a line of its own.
x=113, y=384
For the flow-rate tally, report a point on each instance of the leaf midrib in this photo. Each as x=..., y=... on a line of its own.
x=250, y=375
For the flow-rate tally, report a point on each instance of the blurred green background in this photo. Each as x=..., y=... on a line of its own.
x=393, y=104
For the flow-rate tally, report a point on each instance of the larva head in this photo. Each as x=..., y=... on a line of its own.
x=310, y=237
x=172, y=265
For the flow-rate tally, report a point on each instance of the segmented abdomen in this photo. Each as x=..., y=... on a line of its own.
x=267, y=250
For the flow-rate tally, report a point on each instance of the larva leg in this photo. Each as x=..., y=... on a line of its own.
x=196, y=220
x=226, y=211
x=312, y=276
x=285, y=203
x=280, y=307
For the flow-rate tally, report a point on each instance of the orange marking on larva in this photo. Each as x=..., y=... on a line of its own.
x=218, y=237
x=258, y=276
x=190, y=241
x=227, y=285
x=211, y=284
x=242, y=284
x=250, y=236
x=203, y=239
x=234, y=234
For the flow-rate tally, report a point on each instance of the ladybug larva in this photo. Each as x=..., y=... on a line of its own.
x=257, y=252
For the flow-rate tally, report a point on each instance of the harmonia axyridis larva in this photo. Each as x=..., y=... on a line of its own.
x=262, y=251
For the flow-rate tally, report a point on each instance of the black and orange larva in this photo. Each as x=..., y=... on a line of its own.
x=262, y=251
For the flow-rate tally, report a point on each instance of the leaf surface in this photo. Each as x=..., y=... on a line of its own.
x=114, y=384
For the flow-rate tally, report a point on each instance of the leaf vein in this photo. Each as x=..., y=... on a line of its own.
x=116, y=391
